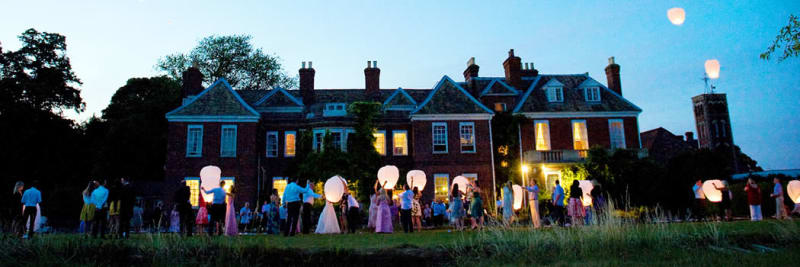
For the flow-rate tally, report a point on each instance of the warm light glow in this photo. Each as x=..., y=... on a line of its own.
x=517, y=196
x=280, y=185
x=399, y=143
x=586, y=186
x=793, y=188
x=194, y=191
x=525, y=168
x=334, y=189
x=419, y=179
x=388, y=174
x=441, y=182
x=676, y=15
x=380, y=142
x=209, y=179
x=712, y=194
x=579, y=135
x=712, y=68
x=462, y=183
x=504, y=164
x=542, y=136
x=290, y=144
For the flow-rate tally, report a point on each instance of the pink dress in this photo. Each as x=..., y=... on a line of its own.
x=383, y=223
x=231, y=227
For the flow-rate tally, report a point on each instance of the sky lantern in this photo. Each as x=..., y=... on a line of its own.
x=334, y=189
x=586, y=186
x=462, y=183
x=517, y=196
x=676, y=15
x=388, y=174
x=419, y=179
x=710, y=189
x=712, y=68
x=793, y=188
x=209, y=179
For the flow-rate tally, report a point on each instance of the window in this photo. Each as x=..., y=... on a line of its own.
x=334, y=110
x=500, y=107
x=290, y=137
x=442, y=183
x=579, y=136
x=380, y=142
x=348, y=135
x=716, y=129
x=723, y=127
x=279, y=183
x=467, y=132
x=400, y=143
x=336, y=135
x=229, y=181
x=194, y=141
x=272, y=144
x=319, y=136
x=194, y=190
x=542, y=135
x=439, y=137
x=616, y=133
x=555, y=94
x=550, y=180
x=228, y=143
x=592, y=94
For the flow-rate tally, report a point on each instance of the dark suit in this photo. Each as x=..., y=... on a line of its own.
x=127, y=199
x=182, y=198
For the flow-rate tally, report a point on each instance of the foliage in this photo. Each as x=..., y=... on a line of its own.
x=231, y=57
x=505, y=127
x=788, y=39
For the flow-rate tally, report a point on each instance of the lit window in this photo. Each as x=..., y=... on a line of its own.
x=194, y=190
x=580, y=138
x=194, y=141
x=272, y=144
x=616, y=133
x=380, y=142
x=542, y=135
x=500, y=107
x=228, y=142
x=467, y=132
x=279, y=183
x=592, y=94
x=290, y=138
x=555, y=94
x=399, y=143
x=228, y=183
x=439, y=137
x=442, y=183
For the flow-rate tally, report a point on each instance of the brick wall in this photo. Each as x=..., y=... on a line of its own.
x=597, y=128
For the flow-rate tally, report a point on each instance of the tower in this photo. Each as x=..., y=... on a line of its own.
x=712, y=120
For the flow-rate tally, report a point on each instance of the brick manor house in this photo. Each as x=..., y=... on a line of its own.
x=444, y=131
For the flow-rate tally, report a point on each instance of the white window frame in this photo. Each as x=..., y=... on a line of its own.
x=383, y=132
x=318, y=144
x=277, y=144
x=436, y=176
x=433, y=139
x=286, y=144
x=474, y=143
x=572, y=128
x=536, y=135
x=222, y=142
x=334, y=110
x=595, y=91
x=342, y=139
x=611, y=134
x=394, y=144
x=198, y=141
x=555, y=94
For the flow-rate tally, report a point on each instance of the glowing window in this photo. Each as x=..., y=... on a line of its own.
x=580, y=137
x=289, y=138
x=399, y=143
x=380, y=142
x=442, y=183
x=194, y=190
x=229, y=181
x=542, y=135
x=279, y=183
x=616, y=133
x=500, y=107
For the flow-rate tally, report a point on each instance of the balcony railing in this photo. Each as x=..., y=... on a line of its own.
x=566, y=156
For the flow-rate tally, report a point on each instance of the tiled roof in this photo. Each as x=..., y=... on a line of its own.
x=535, y=98
x=217, y=100
x=498, y=87
x=450, y=98
x=278, y=97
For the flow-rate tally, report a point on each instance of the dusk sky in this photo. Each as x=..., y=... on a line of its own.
x=417, y=42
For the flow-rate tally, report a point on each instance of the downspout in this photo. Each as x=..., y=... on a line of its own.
x=519, y=134
x=494, y=181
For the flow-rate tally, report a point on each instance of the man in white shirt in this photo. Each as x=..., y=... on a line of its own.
x=406, y=198
x=292, y=200
x=99, y=198
x=308, y=201
x=353, y=212
x=30, y=199
x=217, y=210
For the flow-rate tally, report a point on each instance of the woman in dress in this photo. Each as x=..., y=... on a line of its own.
x=274, y=217
x=476, y=210
x=202, y=216
x=725, y=205
x=416, y=210
x=231, y=226
x=753, y=199
x=87, y=213
x=383, y=221
x=456, y=207
x=373, y=210
x=174, y=220
x=328, y=224
x=16, y=210
x=508, y=204
x=575, y=206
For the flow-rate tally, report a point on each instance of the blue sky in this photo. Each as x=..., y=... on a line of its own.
x=416, y=42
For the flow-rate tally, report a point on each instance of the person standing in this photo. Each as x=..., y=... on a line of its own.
x=699, y=200
x=426, y=215
x=727, y=196
x=183, y=198
x=373, y=210
x=127, y=199
x=292, y=201
x=753, y=199
x=476, y=210
x=217, y=210
x=439, y=209
x=383, y=223
x=777, y=193
x=201, y=220
x=416, y=210
x=231, y=225
x=175, y=220
x=99, y=198
x=244, y=217
x=508, y=204
x=406, y=199
x=353, y=212
x=87, y=212
x=456, y=207
x=17, y=223
x=533, y=203
x=30, y=201
x=308, y=202
x=558, y=203
x=575, y=208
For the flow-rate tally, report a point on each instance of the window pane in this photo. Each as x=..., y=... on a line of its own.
x=290, y=144
x=272, y=144
x=337, y=140
x=441, y=181
x=400, y=143
x=439, y=138
x=467, y=137
x=380, y=142
x=194, y=191
x=579, y=135
x=228, y=142
x=542, y=135
x=616, y=134
x=279, y=183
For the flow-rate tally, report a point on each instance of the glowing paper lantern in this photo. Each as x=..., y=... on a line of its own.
x=676, y=15
x=419, y=179
x=586, y=186
x=517, y=196
x=793, y=188
x=711, y=192
x=712, y=68
x=388, y=174
x=334, y=189
x=209, y=178
x=462, y=183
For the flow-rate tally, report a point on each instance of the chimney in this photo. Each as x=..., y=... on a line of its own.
x=472, y=69
x=690, y=139
x=612, y=74
x=372, y=76
x=513, y=68
x=529, y=71
x=192, y=81
x=307, y=84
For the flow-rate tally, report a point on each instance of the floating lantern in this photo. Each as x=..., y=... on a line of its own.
x=711, y=192
x=419, y=179
x=388, y=174
x=712, y=68
x=334, y=189
x=586, y=186
x=676, y=15
x=793, y=188
x=517, y=196
x=462, y=183
x=209, y=178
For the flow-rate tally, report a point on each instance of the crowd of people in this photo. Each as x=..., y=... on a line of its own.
x=754, y=201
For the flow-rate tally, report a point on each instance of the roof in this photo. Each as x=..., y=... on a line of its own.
x=448, y=97
x=789, y=172
x=498, y=87
x=535, y=98
x=662, y=145
x=217, y=102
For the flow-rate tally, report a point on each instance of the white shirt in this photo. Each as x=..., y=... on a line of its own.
x=308, y=198
x=351, y=202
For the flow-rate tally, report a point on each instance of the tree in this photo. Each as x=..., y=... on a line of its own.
x=233, y=58
x=788, y=39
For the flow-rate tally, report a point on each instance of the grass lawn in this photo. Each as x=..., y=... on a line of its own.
x=750, y=243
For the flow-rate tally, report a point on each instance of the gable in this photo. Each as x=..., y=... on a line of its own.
x=399, y=100
x=448, y=97
x=278, y=97
x=535, y=98
x=218, y=102
x=498, y=87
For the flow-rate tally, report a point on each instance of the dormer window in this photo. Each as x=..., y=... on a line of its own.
x=555, y=94
x=334, y=110
x=592, y=94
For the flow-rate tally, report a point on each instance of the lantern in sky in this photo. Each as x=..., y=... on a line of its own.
x=388, y=174
x=462, y=183
x=711, y=192
x=676, y=15
x=419, y=179
x=334, y=189
x=793, y=188
x=586, y=186
x=517, y=196
x=209, y=178
x=712, y=68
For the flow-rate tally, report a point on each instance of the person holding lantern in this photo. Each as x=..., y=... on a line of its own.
x=383, y=222
x=777, y=193
x=699, y=200
x=217, y=209
x=727, y=195
x=753, y=199
x=292, y=201
x=456, y=207
x=533, y=202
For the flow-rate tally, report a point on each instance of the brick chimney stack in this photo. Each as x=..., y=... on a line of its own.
x=307, y=84
x=192, y=81
x=528, y=71
x=612, y=74
x=372, y=76
x=690, y=139
x=472, y=70
x=513, y=68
